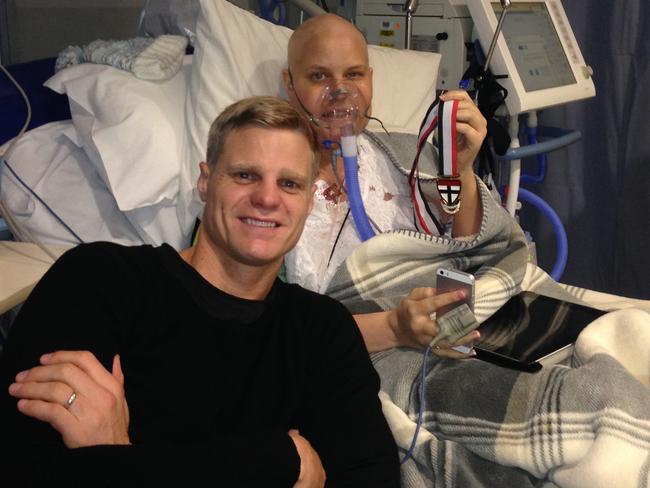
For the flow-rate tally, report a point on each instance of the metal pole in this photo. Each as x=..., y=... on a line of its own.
x=410, y=6
x=504, y=4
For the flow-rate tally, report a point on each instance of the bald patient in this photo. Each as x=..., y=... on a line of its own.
x=325, y=53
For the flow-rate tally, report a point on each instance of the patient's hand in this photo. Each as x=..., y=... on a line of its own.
x=471, y=128
x=312, y=474
x=97, y=414
x=413, y=321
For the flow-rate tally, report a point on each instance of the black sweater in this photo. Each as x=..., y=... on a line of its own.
x=213, y=382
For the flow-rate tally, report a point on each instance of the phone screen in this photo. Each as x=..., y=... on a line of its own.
x=531, y=326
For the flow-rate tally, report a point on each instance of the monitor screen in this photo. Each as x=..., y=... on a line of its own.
x=535, y=46
x=536, y=57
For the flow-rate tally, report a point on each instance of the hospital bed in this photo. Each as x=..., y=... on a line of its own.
x=123, y=166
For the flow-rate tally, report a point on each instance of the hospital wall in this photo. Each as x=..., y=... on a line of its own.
x=35, y=29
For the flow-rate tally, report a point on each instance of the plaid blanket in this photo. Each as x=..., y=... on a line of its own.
x=486, y=426
x=384, y=269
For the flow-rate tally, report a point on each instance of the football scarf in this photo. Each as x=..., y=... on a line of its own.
x=440, y=115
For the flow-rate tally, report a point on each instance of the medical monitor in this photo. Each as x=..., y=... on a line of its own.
x=537, y=50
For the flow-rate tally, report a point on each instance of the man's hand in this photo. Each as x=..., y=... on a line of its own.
x=96, y=414
x=312, y=474
x=413, y=321
x=471, y=128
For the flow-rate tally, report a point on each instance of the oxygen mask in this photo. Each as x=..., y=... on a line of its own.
x=339, y=108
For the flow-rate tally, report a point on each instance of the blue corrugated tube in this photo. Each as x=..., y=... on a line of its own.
x=561, y=241
x=541, y=161
x=349, y=152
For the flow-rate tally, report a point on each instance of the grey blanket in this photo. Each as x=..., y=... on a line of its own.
x=574, y=427
x=383, y=270
x=486, y=426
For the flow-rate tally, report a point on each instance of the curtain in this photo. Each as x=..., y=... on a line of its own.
x=600, y=186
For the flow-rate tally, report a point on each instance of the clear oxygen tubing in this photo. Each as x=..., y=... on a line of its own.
x=351, y=167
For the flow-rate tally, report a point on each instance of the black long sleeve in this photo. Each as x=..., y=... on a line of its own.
x=213, y=382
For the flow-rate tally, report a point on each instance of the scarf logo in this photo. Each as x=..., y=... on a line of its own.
x=449, y=190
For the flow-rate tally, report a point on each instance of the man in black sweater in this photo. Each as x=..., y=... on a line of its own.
x=144, y=365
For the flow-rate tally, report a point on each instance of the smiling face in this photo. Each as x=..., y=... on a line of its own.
x=327, y=53
x=257, y=195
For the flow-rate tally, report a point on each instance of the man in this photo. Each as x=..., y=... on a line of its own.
x=200, y=366
x=325, y=53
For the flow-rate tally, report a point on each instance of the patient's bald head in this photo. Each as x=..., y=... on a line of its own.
x=327, y=28
x=327, y=50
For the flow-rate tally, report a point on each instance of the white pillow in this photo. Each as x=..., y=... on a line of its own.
x=238, y=55
x=60, y=173
x=130, y=128
x=404, y=85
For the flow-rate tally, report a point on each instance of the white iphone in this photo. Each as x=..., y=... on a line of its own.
x=451, y=280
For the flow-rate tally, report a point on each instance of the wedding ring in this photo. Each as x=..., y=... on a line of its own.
x=71, y=400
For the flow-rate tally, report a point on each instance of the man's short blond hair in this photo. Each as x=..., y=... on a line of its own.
x=264, y=112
